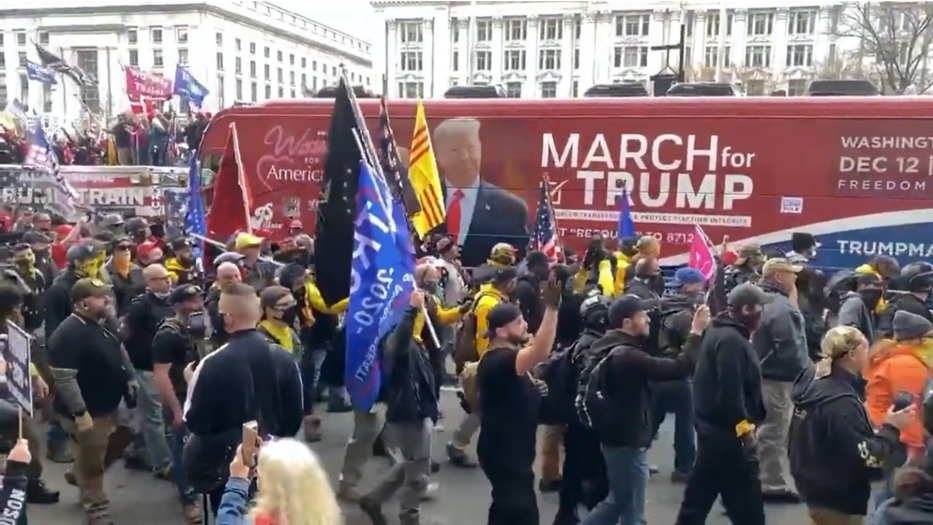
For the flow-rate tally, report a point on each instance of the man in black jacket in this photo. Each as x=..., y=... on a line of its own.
x=527, y=291
x=411, y=412
x=917, y=279
x=625, y=432
x=727, y=406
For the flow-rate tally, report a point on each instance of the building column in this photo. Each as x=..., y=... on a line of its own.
x=699, y=44
x=824, y=36
x=440, y=72
x=587, y=52
x=530, y=88
x=466, y=53
x=738, y=39
x=427, y=58
x=391, y=60
x=656, y=38
x=566, y=57
x=602, y=61
x=496, y=51
x=779, y=45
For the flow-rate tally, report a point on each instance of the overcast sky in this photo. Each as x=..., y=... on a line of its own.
x=355, y=17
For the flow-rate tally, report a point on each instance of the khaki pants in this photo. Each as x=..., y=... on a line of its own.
x=90, y=453
x=831, y=517
x=772, y=435
x=550, y=452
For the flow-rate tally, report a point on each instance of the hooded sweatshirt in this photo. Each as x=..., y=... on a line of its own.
x=893, y=368
x=913, y=511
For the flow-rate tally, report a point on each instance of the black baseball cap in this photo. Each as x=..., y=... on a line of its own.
x=747, y=294
x=625, y=307
x=501, y=315
x=89, y=287
x=36, y=237
x=180, y=244
x=184, y=293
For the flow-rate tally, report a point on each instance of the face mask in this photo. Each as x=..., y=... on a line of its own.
x=870, y=297
x=88, y=269
x=26, y=260
x=290, y=316
x=161, y=295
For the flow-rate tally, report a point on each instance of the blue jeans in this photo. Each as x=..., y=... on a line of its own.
x=627, y=470
x=152, y=425
x=56, y=432
x=176, y=443
x=676, y=397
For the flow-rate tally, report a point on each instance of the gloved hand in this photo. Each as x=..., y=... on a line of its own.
x=84, y=422
x=553, y=292
x=467, y=304
x=541, y=386
x=463, y=402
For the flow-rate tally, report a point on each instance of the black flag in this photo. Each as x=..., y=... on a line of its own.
x=337, y=207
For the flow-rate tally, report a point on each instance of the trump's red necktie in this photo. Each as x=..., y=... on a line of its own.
x=453, y=216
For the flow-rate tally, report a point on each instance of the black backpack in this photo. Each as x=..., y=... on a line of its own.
x=561, y=376
x=594, y=406
x=656, y=317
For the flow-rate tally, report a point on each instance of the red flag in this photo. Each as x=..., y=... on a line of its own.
x=701, y=255
x=232, y=199
x=143, y=106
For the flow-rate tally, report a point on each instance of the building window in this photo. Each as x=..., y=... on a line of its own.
x=800, y=55
x=758, y=56
x=304, y=80
x=252, y=48
x=411, y=61
x=515, y=59
x=549, y=59
x=239, y=89
x=577, y=27
x=22, y=59
x=134, y=58
x=46, y=98
x=410, y=89
x=220, y=91
x=304, y=63
x=182, y=35
x=268, y=92
x=280, y=75
x=513, y=89
x=576, y=59
x=713, y=24
x=157, y=60
x=483, y=60
x=688, y=23
x=44, y=38
x=278, y=56
x=633, y=25
x=3, y=91
x=156, y=36
x=219, y=39
x=797, y=87
x=630, y=56
x=293, y=94
x=711, y=56
x=760, y=24
x=220, y=61
x=267, y=72
x=516, y=30
x=266, y=52
x=252, y=68
x=314, y=65
x=455, y=61
x=86, y=59
x=132, y=37
x=455, y=30
x=412, y=32
x=254, y=92
x=549, y=90
x=291, y=78
x=483, y=30
x=182, y=57
x=575, y=89
x=551, y=29
x=238, y=44
x=291, y=59
x=281, y=92
x=237, y=65
x=21, y=39
x=802, y=23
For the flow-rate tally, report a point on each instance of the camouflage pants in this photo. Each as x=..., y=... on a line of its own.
x=90, y=454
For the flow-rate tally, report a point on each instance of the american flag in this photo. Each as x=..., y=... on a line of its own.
x=58, y=65
x=41, y=155
x=545, y=238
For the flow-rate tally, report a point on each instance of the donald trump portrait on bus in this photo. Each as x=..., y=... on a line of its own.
x=479, y=213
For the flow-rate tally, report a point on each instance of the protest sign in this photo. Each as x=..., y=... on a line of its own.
x=17, y=357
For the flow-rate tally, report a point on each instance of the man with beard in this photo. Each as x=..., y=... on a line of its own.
x=138, y=230
x=727, y=406
x=182, y=267
x=125, y=275
x=647, y=285
x=92, y=375
x=856, y=309
x=509, y=401
x=227, y=273
x=258, y=273
x=746, y=269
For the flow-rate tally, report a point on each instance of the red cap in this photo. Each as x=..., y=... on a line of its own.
x=63, y=230
x=143, y=249
x=729, y=257
x=296, y=223
x=262, y=232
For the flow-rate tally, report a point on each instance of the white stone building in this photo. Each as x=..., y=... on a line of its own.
x=561, y=48
x=241, y=50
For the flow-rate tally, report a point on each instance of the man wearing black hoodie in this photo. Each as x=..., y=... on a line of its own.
x=625, y=430
x=527, y=291
x=727, y=407
x=917, y=281
x=857, y=309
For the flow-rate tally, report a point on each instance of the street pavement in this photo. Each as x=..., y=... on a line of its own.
x=463, y=499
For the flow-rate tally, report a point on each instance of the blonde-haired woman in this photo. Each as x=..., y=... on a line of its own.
x=834, y=450
x=293, y=489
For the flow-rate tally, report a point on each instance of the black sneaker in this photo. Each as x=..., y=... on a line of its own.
x=780, y=496
x=58, y=452
x=566, y=518
x=680, y=476
x=135, y=463
x=548, y=485
x=71, y=479
x=38, y=494
x=435, y=467
x=373, y=511
x=459, y=458
x=339, y=407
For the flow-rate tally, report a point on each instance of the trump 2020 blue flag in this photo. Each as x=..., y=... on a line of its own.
x=194, y=215
x=39, y=74
x=187, y=85
x=626, y=227
x=381, y=282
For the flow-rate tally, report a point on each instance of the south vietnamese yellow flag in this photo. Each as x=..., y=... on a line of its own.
x=422, y=172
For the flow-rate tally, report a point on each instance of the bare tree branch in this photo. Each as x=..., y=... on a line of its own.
x=897, y=36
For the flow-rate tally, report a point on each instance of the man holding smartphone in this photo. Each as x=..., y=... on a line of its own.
x=173, y=348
